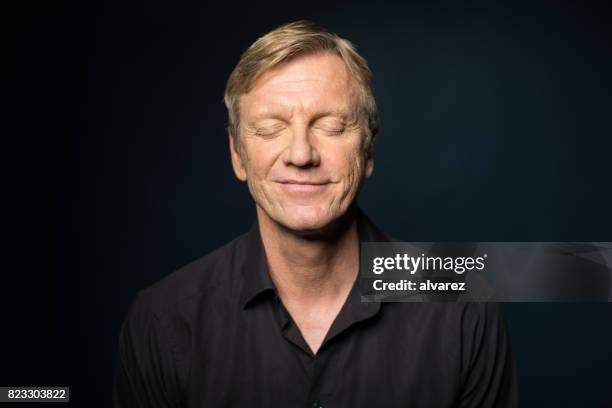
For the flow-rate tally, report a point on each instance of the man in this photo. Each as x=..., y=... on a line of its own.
x=274, y=318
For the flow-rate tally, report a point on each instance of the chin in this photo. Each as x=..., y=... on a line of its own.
x=306, y=219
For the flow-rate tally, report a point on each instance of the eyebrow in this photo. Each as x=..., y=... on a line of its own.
x=268, y=116
x=338, y=114
x=343, y=115
x=348, y=118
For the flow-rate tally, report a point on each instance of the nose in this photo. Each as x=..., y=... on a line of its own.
x=300, y=151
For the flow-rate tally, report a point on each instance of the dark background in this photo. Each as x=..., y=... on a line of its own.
x=495, y=126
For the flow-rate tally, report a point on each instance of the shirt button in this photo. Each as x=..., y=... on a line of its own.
x=317, y=404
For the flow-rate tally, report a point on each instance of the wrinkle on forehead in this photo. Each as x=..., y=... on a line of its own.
x=309, y=85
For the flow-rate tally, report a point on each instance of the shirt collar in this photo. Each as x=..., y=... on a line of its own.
x=257, y=281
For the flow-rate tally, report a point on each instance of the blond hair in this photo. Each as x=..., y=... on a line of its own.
x=290, y=41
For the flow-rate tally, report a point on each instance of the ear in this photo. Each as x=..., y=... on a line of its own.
x=237, y=162
x=369, y=167
x=370, y=159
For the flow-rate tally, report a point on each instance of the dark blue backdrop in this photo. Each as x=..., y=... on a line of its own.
x=495, y=126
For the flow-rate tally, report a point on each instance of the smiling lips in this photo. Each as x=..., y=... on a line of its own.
x=303, y=186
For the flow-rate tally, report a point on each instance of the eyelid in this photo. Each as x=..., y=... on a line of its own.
x=267, y=130
x=333, y=128
x=327, y=123
x=337, y=126
x=330, y=131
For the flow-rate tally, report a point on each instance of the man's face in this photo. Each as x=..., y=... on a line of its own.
x=301, y=143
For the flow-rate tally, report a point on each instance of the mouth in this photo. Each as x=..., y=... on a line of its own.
x=302, y=186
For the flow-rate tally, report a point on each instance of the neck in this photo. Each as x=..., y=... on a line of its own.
x=317, y=267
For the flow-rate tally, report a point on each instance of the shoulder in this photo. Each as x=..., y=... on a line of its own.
x=447, y=321
x=478, y=315
x=220, y=270
x=472, y=317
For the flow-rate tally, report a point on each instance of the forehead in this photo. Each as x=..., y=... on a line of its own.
x=311, y=84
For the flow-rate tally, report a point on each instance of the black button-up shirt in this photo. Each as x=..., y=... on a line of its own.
x=215, y=334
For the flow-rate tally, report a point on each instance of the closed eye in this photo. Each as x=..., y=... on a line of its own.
x=268, y=132
x=333, y=131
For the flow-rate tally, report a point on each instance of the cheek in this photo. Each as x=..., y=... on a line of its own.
x=357, y=171
x=349, y=167
x=259, y=159
x=349, y=163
